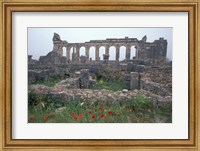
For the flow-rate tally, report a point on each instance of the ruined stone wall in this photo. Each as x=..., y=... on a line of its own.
x=53, y=58
x=155, y=79
x=105, y=72
x=144, y=50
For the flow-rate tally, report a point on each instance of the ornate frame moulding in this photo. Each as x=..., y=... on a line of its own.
x=8, y=7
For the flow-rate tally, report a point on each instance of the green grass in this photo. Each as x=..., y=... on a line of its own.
x=110, y=85
x=50, y=82
x=135, y=110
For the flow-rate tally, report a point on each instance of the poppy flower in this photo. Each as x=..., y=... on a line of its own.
x=93, y=116
x=75, y=117
x=109, y=112
x=90, y=112
x=100, y=107
x=73, y=113
x=46, y=117
x=81, y=115
x=102, y=115
x=129, y=110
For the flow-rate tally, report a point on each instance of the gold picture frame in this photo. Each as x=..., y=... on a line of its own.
x=9, y=6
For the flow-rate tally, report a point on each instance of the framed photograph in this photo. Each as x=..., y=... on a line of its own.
x=82, y=75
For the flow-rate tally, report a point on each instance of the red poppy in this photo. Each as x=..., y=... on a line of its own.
x=46, y=117
x=73, y=113
x=90, y=112
x=109, y=112
x=93, y=116
x=129, y=110
x=100, y=107
x=81, y=115
x=75, y=117
x=101, y=115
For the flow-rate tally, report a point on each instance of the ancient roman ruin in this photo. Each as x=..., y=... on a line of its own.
x=144, y=50
x=148, y=72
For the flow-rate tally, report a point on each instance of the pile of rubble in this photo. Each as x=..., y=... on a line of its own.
x=63, y=94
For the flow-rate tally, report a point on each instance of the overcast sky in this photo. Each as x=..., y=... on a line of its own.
x=40, y=39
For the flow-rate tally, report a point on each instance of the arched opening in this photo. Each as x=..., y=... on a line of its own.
x=92, y=52
x=133, y=52
x=82, y=51
x=102, y=51
x=112, y=53
x=122, y=53
x=64, y=53
x=72, y=49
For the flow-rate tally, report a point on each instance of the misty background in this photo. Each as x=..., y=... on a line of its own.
x=40, y=39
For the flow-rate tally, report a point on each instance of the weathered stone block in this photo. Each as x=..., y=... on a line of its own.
x=139, y=68
x=127, y=80
x=35, y=76
x=83, y=59
x=84, y=78
x=135, y=81
x=72, y=83
x=130, y=66
x=123, y=66
x=153, y=87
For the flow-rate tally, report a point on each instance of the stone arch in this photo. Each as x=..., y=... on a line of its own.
x=102, y=51
x=133, y=52
x=122, y=53
x=92, y=50
x=112, y=53
x=82, y=51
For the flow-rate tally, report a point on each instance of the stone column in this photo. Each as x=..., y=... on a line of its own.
x=117, y=53
x=139, y=49
x=77, y=53
x=105, y=58
x=136, y=52
x=87, y=52
x=74, y=49
x=97, y=53
x=128, y=52
x=68, y=54
x=107, y=50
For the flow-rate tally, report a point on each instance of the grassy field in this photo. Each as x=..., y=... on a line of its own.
x=135, y=110
x=51, y=81
x=117, y=85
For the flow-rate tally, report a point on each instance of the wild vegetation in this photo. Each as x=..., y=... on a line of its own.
x=135, y=110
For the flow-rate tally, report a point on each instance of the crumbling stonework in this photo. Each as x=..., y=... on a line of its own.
x=144, y=50
x=147, y=73
x=84, y=79
x=83, y=59
x=105, y=58
x=135, y=81
x=32, y=61
x=35, y=76
x=52, y=58
x=153, y=87
x=153, y=81
x=60, y=93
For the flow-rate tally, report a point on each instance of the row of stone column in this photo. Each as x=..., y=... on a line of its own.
x=76, y=52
